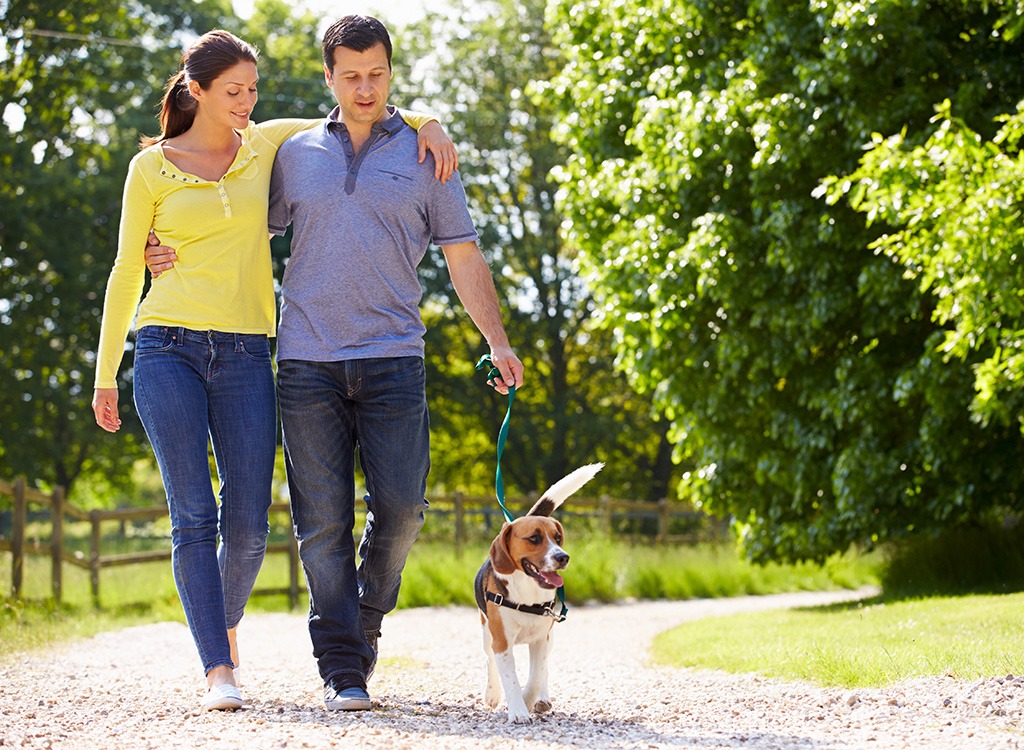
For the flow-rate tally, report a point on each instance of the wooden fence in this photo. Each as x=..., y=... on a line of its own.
x=606, y=510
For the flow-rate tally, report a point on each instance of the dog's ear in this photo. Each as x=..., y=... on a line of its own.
x=501, y=559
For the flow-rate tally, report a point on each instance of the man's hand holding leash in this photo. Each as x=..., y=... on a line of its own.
x=511, y=369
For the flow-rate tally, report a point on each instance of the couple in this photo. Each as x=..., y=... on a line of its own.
x=350, y=341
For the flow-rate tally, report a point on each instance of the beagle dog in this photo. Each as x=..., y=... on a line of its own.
x=516, y=592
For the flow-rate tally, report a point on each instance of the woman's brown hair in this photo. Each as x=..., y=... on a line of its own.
x=207, y=58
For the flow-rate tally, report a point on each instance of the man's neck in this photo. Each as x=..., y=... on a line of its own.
x=359, y=133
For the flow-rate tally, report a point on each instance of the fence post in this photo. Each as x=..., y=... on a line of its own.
x=94, y=558
x=293, y=572
x=18, y=520
x=460, y=523
x=664, y=514
x=57, y=543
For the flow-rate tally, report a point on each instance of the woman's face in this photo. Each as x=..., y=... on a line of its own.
x=231, y=97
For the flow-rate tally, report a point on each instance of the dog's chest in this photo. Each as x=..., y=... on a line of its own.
x=521, y=627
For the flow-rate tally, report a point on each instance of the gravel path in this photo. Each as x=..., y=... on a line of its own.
x=139, y=688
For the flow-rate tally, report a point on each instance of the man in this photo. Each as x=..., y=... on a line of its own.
x=350, y=345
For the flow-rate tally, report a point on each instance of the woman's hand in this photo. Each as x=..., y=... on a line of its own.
x=104, y=406
x=432, y=136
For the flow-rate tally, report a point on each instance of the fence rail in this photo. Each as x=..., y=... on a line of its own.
x=459, y=506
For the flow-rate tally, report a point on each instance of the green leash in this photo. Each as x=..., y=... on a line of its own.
x=494, y=375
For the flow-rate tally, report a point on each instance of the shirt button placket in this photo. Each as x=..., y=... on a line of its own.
x=224, y=199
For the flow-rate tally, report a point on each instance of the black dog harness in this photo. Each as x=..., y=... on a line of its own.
x=483, y=596
x=530, y=609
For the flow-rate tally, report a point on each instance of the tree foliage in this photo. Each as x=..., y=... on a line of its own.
x=77, y=85
x=479, y=63
x=800, y=367
x=954, y=206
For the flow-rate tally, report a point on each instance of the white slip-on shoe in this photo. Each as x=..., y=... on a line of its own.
x=222, y=698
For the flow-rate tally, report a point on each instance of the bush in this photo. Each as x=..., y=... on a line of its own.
x=983, y=558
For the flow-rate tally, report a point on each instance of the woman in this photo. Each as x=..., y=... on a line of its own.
x=202, y=353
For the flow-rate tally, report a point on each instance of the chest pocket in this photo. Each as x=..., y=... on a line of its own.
x=397, y=178
x=392, y=194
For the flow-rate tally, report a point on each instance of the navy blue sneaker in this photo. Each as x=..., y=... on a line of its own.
x=347, y=699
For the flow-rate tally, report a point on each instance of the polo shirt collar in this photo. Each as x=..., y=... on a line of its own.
x=391, y=124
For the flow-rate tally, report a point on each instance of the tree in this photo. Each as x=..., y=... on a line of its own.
x=954, y=207
x=799, y=366
x=77, y=85
x=574, y=409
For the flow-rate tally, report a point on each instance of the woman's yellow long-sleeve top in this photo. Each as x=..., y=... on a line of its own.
x=223, y=279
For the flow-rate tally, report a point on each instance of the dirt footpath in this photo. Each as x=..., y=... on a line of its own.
x=139, y=688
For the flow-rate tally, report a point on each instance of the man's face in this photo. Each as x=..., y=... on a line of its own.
x=361, y=82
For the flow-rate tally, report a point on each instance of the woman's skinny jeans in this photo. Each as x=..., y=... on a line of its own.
x=193, y=387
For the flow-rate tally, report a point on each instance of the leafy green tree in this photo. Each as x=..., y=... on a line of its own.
x=481, y=60
x=77, y=85
x=799, y=366
x=954, y=205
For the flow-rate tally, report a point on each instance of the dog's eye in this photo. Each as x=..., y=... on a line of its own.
x=558, y=538
x=535, y=539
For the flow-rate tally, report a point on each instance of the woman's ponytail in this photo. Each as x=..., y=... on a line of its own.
x=177, y=110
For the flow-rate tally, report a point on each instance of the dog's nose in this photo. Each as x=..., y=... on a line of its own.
x=562, y=559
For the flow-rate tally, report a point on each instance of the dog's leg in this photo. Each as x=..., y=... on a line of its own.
x=517, y=711
x=535, y=694
x=492, y=694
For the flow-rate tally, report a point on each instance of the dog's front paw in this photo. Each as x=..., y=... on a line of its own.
x=492, y=696
x=519, y=717
x=542, y=706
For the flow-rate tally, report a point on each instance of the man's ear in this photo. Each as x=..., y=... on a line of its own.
x=327, y=75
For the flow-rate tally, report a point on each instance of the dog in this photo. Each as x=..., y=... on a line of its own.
x=516, y=592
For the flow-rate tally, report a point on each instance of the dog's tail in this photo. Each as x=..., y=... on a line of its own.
x=564, y=487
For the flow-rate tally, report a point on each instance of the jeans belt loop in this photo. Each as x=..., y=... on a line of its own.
x=179, y=335
x=238, y=343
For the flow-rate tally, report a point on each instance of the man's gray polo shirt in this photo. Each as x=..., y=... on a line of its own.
x=361, y=225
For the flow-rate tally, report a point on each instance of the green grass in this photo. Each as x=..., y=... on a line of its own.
x=33, y=625
x=603, y=571
x=434, y=576
x=868, y=644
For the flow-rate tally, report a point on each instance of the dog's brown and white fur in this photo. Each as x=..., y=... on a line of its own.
x=523, y=569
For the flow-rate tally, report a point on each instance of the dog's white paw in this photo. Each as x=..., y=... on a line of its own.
x=517, y=717
x=492, y=696
x=542, y=706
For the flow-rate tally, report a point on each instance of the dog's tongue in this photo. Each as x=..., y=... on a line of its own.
x=551, y=578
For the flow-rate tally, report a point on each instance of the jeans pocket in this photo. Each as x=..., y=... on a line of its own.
x=256, y=348
x=151, y=339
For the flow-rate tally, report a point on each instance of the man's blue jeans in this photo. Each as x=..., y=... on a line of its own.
x=191, y=387
x=327, y=410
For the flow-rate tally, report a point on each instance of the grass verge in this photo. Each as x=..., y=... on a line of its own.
x=434, y=576
x=867, y=644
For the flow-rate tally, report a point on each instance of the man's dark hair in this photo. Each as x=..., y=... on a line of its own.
x=359, y=33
